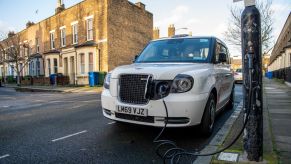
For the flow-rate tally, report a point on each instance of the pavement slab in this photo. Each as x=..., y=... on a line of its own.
x=278, y=101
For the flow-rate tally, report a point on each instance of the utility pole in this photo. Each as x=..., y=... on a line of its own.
x=252, y=80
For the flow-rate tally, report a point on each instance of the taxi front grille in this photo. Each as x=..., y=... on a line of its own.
x=133, y=88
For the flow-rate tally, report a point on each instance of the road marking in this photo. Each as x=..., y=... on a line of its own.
x=87, y=101
x=111, y=123
x=6, y=106
x=78, y=106
x=38, y=100
x=71, y=135
x=4, y=156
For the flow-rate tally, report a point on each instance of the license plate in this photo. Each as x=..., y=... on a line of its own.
x=132, y=110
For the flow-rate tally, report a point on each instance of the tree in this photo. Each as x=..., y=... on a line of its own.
x=14, y=53
x=233, y=32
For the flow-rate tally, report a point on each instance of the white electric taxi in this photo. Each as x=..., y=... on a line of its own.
x=191, y=75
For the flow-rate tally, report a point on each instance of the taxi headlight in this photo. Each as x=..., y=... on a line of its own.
x=182, y=83
x=107, y=81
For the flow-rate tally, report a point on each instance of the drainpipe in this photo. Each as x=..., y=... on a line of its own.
x=99, y=60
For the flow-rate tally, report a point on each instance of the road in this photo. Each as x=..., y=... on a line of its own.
x=70, y=128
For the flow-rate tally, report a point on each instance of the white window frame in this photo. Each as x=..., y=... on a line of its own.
x=52, y=39
x=37, y=45
x=55, y=65
x=89, y=27
x=49, y=66
x=75, y=33
x=63, y=36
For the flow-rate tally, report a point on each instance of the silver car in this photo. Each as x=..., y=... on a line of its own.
x=238, y=75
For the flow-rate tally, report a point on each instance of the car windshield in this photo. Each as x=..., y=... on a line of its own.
x=176, y=50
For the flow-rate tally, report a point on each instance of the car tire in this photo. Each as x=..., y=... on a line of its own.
x=208, y=118
x=230, y=103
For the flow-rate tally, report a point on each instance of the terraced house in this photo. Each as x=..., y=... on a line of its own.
x=280, y=60
x=93, y=35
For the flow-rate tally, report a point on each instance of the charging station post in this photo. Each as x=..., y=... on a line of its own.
x=252, y=80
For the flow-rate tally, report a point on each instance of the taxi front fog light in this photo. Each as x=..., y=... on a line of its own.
x=163, y=89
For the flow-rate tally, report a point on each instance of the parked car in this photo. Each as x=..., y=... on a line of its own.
x=238, y=76
x=190, y=74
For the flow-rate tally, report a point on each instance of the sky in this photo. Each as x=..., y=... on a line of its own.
x=204, y=17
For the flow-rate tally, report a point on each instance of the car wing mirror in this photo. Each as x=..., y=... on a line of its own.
x=135, y=57
x=222, y=57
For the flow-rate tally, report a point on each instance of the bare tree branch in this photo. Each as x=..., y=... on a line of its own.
x=233, y=33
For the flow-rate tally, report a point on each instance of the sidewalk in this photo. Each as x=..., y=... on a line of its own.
x=65, y=89
x=278, y=105
x=277, y=126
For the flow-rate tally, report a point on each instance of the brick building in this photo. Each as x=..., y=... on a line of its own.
x=93, y=35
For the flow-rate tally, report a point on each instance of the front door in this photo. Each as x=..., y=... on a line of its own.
x=66, y=66
x=72, y=70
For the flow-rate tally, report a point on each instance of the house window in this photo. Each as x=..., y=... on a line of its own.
x=26, y=52
x=49, y=66
x=55, y=65
x=37, y=67
x=75, y=33
x=52, y=40
x=90, y=29
x=21, y=69
x=63, y=37
x=37, y=45
x=82, y=63
x=90, y=62
x=32, y=68
x=12, y=70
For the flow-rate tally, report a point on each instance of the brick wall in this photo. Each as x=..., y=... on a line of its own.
x=130, y=28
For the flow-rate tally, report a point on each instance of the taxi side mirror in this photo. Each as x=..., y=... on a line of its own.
x=222, y=57
x=135, y=57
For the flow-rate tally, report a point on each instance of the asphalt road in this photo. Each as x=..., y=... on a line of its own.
x=70, y=128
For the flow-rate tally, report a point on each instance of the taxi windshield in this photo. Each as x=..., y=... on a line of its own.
x=176, y=50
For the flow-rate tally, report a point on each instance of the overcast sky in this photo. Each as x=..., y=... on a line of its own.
x=204, y=17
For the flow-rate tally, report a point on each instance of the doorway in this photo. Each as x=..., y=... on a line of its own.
x=72, y=69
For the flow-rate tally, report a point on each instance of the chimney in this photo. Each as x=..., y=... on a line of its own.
x=171, y=30
x=156, y=33
x=60, y=6
x=11, y=34
x=29, y=23
x=140, y=5
x=190, y=33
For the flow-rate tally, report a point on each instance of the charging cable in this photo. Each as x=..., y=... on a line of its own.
x=174, y=153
